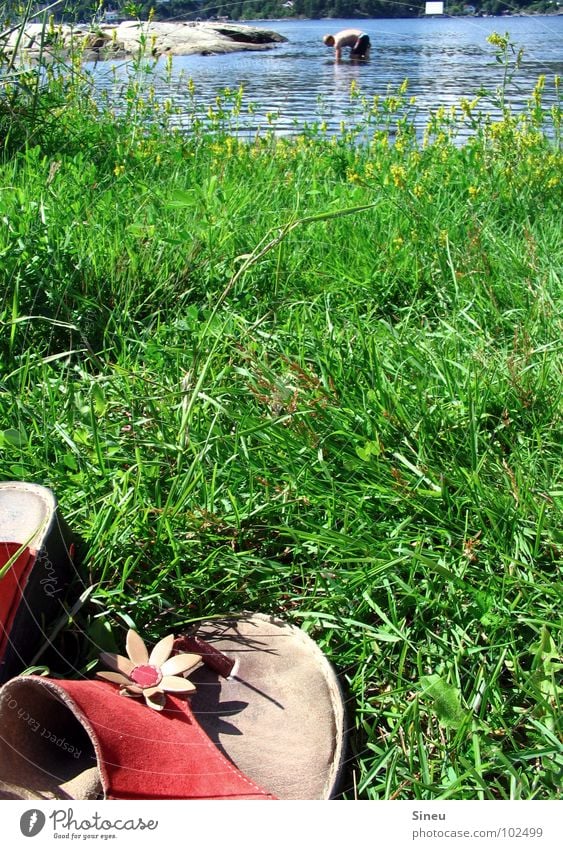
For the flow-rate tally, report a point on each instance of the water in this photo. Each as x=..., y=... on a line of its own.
x=444, y=60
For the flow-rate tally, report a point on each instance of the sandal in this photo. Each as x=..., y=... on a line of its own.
x=35, y=567
x=261, y=717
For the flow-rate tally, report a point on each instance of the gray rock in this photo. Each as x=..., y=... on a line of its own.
x=156, y=38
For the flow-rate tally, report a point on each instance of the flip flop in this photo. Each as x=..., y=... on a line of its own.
x=36, y=565
x=273, y=728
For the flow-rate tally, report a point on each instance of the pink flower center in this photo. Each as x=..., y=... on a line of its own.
x=146, y=675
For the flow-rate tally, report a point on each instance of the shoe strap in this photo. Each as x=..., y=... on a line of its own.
x=148, y=754
x=212, y=657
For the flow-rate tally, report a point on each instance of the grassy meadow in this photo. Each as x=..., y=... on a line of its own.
x=314, y=376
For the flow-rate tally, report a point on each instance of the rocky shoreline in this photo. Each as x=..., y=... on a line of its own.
x=127, y=38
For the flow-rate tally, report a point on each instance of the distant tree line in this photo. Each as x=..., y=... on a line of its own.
x=256, y=9
x=87, y=10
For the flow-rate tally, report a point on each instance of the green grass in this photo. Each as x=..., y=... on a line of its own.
x=315, y=378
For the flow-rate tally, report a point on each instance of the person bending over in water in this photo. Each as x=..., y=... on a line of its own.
x=355, y=39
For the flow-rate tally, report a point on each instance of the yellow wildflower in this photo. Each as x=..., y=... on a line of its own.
x=500, y=41
x=398, y=174
x=539, y=87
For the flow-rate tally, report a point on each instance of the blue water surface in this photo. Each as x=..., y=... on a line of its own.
x=444, y=59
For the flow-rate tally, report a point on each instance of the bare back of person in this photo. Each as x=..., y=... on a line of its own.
x=357, y=40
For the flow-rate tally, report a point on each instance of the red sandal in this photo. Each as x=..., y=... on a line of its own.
x=265, y=721
x=35, y=570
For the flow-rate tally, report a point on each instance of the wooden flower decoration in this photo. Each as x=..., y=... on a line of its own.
x=150, y=676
